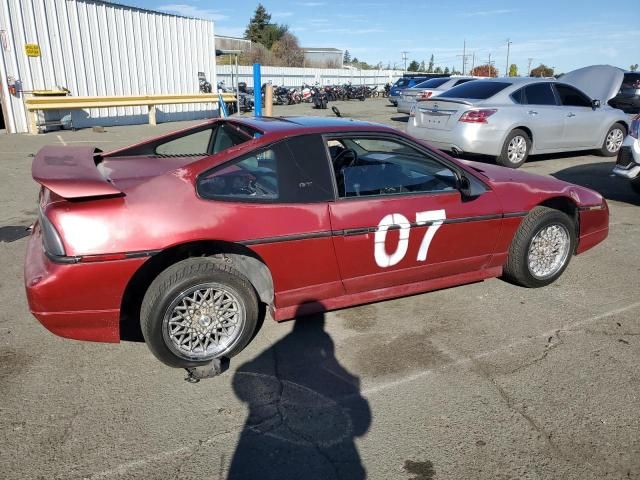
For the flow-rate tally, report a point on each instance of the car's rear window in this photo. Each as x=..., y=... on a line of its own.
x=402, y=82
x=475, y=90
x=432, y=83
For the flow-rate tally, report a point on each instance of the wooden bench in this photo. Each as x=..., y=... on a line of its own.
x=36, y=104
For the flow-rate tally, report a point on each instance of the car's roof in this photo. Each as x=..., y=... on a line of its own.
x=281, y=125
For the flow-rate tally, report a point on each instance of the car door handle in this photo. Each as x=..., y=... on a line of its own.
x=532, y=112
x=571, y=114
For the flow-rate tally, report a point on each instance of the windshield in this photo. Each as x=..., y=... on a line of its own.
x=432, y=83
x=475, y=90
x=402, y=82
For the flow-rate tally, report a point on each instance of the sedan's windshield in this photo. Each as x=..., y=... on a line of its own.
x=432, y=83
x=475, y=90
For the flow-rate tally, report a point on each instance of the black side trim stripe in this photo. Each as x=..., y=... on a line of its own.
x=142, y=253
x=287, y=238
x=365, y=230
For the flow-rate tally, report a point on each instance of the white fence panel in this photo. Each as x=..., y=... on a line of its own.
x=296, y=77
x=98, y=48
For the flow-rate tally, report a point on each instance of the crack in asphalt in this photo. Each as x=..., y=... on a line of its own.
x=547, y=349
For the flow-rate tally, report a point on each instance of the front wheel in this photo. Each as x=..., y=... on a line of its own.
x=541, y=249
x=198, y=310
x=613, y=141
x=515, y=150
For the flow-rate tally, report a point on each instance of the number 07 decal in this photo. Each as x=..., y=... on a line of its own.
x=397, y=220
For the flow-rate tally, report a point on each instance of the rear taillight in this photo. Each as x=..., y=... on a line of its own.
x=50, y=237
x=634, y=130
x=477, y=116
x=424, y=96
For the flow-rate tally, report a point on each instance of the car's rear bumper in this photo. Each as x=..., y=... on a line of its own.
x=474, y=138
x=80, y=301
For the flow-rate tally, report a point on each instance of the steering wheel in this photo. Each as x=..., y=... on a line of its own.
x=342, y=161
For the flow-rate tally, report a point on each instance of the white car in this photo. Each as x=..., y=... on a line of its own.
x=628, y=163
x=510, y=118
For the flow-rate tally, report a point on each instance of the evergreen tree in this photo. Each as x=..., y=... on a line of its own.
x=446, y=71
x=347, y=57
x=430, y=67
x=413, y=66
x=422, y=67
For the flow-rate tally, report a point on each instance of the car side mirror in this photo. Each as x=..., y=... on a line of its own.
x=595, y=104
x=470, y=188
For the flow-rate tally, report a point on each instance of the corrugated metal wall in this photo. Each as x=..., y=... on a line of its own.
x=95, y=48
x=295, y=77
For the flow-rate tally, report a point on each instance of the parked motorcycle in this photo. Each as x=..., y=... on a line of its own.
x=319, y=97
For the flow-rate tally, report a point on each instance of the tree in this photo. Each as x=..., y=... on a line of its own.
x=484, y=71
x=438, y=70
x=288, y=51
x=513, y=70
x=355, y=60
x=347, y=57
x=422, y=67
x=260, y=30
x=542, y=71
x=634, y=68
x=430, y=67
x=413, y=66
x=447, y=71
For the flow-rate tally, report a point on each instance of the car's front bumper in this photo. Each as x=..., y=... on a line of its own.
x=477, y=138
x=628, y=162
x=80, y=300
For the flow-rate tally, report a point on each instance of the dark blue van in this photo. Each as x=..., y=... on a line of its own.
x=401, y=84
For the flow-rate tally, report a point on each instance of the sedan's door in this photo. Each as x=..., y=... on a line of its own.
x=544, y=116
x=582, y=124
x=400, y=218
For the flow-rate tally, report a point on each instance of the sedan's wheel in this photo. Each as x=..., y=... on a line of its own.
x=198, y=310
x=613, y=140
x=541, y=248
x=515, y=150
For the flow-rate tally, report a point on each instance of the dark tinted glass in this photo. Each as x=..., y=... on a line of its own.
x=433, y=83
x=475, y=90
x=518, y=96
x=631, y=81
x=463, y=80
x=307, y=177
x=571, y=97
x=540, y=94
x=402, y=82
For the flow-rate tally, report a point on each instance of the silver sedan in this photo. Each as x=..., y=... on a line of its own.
x=427, y=89
x=510, y=118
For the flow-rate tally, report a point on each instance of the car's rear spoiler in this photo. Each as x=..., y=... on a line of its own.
x=72, y=172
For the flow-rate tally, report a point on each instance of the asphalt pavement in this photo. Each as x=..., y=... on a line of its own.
x=483, y=381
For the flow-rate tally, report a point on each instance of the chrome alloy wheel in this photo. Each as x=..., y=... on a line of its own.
x=204, y=322
x=548, y=251
x=614, y=140
x=517, y=149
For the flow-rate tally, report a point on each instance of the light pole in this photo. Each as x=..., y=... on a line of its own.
x=404, y=58
x=506, y=72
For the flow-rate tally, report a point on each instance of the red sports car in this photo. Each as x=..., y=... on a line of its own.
x=192, y=237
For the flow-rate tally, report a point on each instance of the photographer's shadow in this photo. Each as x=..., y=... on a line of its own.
x=305, y=411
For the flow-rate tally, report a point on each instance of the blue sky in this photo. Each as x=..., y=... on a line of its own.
x=565, y=34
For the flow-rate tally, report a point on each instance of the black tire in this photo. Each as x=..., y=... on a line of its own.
x=514, y=136
x=175, y=281
x=605, y=150
x=635, y=185
x=517, y=268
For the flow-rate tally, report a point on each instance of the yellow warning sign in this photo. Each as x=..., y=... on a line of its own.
x=32, y=49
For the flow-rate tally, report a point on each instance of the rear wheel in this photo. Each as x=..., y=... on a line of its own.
x=198, y=310
x=613, y=140
x=515, y=150
x=541, y=249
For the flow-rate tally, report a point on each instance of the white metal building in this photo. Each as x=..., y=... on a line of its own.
x=99, y=48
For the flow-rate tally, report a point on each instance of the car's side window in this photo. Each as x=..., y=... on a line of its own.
x=197, y=143
x=253, y=177
x=540, y=94
x=374, y=166
x=518, y=96
x=571, y=97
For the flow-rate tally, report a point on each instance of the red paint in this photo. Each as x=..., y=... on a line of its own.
x=152, y=205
